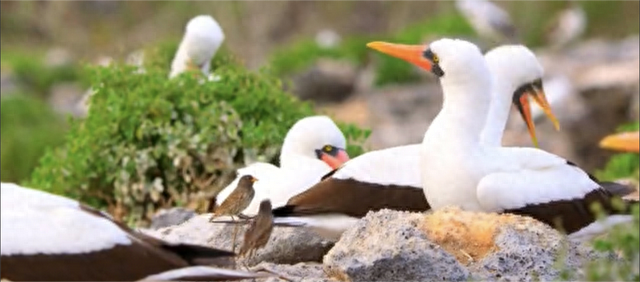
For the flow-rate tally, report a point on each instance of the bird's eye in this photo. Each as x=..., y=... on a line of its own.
x=327, y=148
x=431, y=56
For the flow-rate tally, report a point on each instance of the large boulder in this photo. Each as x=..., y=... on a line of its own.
x=451, y=244
x=328, y=80
x=391, y=246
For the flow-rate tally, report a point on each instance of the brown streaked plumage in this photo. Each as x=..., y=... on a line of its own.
x=239, y=199
x=258, y=233
x=236, y=202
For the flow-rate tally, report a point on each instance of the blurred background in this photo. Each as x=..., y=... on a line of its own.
x=319, y=46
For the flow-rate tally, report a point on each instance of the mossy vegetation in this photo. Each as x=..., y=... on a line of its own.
x=29, y=127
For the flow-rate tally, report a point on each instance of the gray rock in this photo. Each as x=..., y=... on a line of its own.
x=57, y=57
x=390, y=246
x=326, y=81
x=296, y=272
x=170, y=217
x=451, y=244
x=400, y=115
x=64, y=98
x=523, y=255
x=287, y=245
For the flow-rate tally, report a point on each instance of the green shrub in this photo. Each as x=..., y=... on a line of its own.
x=149, y=142
x=29, y=126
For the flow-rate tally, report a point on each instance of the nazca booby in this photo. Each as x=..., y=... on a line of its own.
x=567, y=26
x=47, y=237
x=390, y=178
x=458, y=170
x=312, y=147
x=202, y=39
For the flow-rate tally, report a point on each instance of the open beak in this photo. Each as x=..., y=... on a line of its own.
x=409, y=53
x=626, y=142
x=521, y=101
x=336, y=161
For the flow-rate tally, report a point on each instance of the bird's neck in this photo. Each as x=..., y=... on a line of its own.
x=298, y=162
x=496, y=121
x=464, y=110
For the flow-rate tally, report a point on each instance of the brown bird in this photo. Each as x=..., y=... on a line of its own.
x=237, y=201
x=258, y=233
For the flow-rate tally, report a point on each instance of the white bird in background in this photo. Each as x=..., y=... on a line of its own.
x=49, y=237
x=478, y=177
x=488, y=20
x=328, y=38
x=136, y=58
x=568, y=26
x=312, y=148
x=202, y=38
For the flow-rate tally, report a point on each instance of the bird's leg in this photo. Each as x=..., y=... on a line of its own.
x=235, y=233
x=264, y=269
x=246, y=267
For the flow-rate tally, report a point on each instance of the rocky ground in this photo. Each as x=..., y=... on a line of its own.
x=387, y=245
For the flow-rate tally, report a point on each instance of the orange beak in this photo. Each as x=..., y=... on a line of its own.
x=409, y=53
x=335, y=161
x=626, y=142
x=521, y=101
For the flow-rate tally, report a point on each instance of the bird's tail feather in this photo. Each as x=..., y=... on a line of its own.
x=205, y=273
x=289, y=221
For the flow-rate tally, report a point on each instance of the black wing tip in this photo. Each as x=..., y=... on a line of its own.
x=329, y=174
x=617, y=189
x=284, y=211
x=196, y=254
